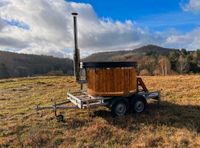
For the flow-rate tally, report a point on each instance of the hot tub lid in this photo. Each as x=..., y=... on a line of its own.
x=108, y=64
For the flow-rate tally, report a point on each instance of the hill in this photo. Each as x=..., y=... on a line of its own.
x=20, y=65
x=130, y=55
x=151, y=59
x=174, y=124
x=155, y=60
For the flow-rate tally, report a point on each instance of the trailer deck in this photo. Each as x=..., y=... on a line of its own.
x=82, y=100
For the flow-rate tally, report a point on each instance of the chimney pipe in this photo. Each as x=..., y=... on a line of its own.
x=76, y=50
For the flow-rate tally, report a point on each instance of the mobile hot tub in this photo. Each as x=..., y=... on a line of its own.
x=111, y=78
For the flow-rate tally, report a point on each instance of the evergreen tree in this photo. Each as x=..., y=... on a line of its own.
x=173, y=57
x=198, y=55
x=184, y=52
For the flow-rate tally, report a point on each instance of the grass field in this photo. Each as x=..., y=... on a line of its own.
x=175, y=124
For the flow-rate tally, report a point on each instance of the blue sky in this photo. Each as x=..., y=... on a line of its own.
x=157, y=15
x=103, y=25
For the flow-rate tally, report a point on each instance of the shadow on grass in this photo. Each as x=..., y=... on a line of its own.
x=168, y=114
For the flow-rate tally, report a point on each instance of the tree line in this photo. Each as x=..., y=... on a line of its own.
x=23, y=65
x=176, y=62
x=150, y=62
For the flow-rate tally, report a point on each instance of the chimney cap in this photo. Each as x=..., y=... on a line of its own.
x=74, y=13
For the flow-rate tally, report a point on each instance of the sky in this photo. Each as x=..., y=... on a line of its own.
x=158, y=15
x=45, y=27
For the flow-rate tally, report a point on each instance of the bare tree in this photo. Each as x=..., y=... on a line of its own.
x=165, y=65
x=182, y=64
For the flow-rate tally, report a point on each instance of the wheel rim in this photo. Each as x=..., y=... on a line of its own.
x=139, y=106
x=120, y=109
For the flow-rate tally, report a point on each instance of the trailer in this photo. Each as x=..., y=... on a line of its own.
x=111, y=84
x=136, y=103
x=119, y=105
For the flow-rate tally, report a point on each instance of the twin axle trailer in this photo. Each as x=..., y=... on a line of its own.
x=111, y=84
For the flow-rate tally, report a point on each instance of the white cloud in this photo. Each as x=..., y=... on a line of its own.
x=42, y=49
x=189, y=40
x=192, y=5
x=45, y=27
x=1, y=24
x=50, y=28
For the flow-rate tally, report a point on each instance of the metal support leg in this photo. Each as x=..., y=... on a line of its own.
x=159, y=98
x=55, y=110
x=88, y=108
x=60, y=118
x=81, y=86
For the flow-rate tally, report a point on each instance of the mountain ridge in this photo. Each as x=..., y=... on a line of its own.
x=149, y=59
x=129, y=54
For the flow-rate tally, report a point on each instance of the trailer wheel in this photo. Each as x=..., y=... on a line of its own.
x=138, y=104
x=119, y=107
x=60, y=118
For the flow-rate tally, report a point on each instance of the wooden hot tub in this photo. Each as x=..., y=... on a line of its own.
x=111, y=78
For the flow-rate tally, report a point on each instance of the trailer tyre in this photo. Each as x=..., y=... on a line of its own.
x=119, y=107
x=138, y=105
x=60, y=118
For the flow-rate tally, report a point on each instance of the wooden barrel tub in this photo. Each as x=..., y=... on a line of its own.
x=111, y=78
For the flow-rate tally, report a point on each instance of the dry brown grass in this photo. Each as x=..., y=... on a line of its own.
x=175, y=124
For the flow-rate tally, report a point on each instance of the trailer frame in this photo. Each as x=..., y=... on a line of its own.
x=82, y=100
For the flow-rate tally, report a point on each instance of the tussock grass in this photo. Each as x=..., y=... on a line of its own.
x=175, y=124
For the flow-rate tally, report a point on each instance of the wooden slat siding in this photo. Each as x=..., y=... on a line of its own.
x=130, y=77
x=104, y=80
x=116, y=77
x=134, y=77
x=100, y=80
x=93, y=79
x=121, y=72
x=108, y=82
x=120, y=77
x=114, y=83
x=89, y=79
x=103, y=75
x=126, y=80
x=129, y=81
x=111, y=82
x=96, y=79
x=122, y=80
